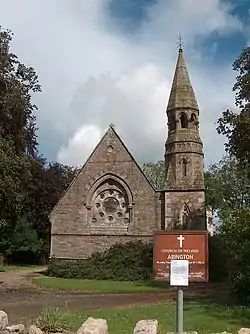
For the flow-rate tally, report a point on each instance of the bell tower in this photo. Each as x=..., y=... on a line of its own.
x=184, y=166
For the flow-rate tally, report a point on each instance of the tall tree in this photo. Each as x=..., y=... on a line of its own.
x=14, y=173
x=46, y=186
x=235, y=126
x=227, y=186
x=17, y=83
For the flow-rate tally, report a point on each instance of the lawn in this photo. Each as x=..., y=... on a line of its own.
x=98, y=286
x=201, y=316
x=12, y=267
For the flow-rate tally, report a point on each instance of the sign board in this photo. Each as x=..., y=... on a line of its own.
x=190, y=245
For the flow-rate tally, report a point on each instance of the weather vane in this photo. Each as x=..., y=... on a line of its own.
x=180, y=42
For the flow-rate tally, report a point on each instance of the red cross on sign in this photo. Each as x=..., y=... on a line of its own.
x=181, y=245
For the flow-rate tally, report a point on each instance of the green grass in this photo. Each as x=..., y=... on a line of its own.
x=204, y=317
x=98, y=286
x=12, y=267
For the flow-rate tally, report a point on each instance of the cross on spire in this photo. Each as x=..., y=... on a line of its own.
x=112, y=126
x=180, y=42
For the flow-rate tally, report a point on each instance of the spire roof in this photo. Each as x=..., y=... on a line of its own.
x=182, y=93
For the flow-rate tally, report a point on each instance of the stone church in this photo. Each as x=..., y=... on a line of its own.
x=111, y=200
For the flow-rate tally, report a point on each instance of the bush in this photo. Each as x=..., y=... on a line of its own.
x=132, y=261
x=53, y=320
x=218, y=259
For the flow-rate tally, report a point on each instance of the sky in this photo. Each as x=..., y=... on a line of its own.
x=112, y=61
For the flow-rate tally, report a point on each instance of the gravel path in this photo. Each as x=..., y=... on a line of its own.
x=21, y=298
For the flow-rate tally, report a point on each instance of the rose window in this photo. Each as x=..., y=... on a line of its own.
x=110, y=206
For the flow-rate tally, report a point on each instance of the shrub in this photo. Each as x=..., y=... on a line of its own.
x=132, y=261
x=218, y=259
x=52, y=320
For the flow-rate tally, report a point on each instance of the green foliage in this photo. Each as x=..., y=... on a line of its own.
x=236, y=233
x=219, y=264
x=53, y=320
x=23, y=245
x=29, y=186
x=46, y=186
x=235, y=126
x=131, y=261
x=227, y=186
x=155, y=172
x=17, y=82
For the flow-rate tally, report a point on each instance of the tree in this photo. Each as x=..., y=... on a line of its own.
x=236, y=233
x=235, y=126
x=14, y=173
x=227, y=186
x=29, y=185
x=155, y=172
x=46, y=186
x=17, y=83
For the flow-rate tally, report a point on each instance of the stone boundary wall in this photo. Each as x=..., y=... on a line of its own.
x=92, y=326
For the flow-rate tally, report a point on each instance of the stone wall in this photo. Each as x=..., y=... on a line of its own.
x=82, y=246
x=92, y=326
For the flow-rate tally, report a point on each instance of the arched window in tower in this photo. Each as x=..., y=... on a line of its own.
x=184, y=167
x=184, y=216
x=184, y=121
x=193, y=121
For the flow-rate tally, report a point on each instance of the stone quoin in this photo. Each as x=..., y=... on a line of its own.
x=111, y=201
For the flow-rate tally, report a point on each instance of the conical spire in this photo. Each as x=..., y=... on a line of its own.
x=182, y=94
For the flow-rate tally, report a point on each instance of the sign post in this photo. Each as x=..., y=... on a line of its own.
x=181, y=257
x=179, y=311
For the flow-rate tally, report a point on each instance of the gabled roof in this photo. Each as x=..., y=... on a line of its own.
x=109, y=133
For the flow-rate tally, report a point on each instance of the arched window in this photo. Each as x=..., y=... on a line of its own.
x=185, y=216
x=184, y=121
x=193, y=121
x=109, y=204
x=184, y=167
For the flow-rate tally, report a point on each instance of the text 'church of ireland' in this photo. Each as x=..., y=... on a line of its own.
x=111, y=200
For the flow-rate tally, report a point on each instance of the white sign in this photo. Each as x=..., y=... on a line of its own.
x=179, y=272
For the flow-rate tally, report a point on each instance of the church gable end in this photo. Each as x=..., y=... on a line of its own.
x=109, y=197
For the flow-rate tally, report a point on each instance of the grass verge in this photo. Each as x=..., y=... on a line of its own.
x=12, y=267
x=98, y=286
x=204, y=317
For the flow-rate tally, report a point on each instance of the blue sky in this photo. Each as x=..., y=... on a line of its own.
x=103, y=61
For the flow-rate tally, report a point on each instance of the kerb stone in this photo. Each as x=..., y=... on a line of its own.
x=3, y=320
x=146, y=327
x=93, y=326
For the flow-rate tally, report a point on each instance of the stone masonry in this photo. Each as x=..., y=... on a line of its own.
x=111, y=200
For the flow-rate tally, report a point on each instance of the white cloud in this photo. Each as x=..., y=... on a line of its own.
x=93, y=75
x=80, y=145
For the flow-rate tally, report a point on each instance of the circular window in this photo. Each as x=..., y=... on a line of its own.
x=101, y=214
x=110, y=218
x=97, y=205
x=110, y=148
x=102, y=196
x=94, y=220
x=119, y=214
x=110, y=204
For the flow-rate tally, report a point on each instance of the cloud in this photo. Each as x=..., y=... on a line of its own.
x=94, y=73
x=83, y=140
